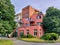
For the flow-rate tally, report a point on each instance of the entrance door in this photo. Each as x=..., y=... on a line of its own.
x=21, y=33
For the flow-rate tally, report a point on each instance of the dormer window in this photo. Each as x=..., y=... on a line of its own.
x=38, y=17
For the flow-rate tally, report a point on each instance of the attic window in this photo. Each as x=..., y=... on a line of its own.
x=38, y=17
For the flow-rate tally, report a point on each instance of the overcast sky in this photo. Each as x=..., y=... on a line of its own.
x=41, y=5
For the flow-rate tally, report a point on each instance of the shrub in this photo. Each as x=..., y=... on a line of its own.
x=23, y=36
x=50, y=36
x=27, y=36
x=46, y=36
x=30, y=36
x=54, y=36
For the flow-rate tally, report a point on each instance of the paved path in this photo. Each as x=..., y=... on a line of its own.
x=29, y=43
x=19, y=42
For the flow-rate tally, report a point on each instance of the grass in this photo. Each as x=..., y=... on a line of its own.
x=6, y=42
x=58, y=41
x=39, y=40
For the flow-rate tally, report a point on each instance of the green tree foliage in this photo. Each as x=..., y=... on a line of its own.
x=51, y=21
x=7, y=15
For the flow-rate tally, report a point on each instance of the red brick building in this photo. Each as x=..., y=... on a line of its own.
x=31, y=22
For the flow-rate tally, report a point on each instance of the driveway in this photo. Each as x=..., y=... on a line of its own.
x=19, y=42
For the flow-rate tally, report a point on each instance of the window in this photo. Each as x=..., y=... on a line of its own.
x=31, y=19
x=40, y=29
x=27, y=13
x=38, y=17
x=27, y=24
x=21, y=33
x=27, y=32
x=40, y=33
x=27, y=18
x=39, y=23
x=41, y=13
x=35, y=32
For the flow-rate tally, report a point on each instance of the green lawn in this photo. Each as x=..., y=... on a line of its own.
x=39, y=40
x=6, y=42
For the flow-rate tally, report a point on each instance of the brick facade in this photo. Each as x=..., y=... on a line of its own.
x=31, y=22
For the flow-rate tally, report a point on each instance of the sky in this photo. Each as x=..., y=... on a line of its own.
x=41, y=5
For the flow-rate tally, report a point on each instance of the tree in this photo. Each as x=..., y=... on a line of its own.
x=7, y=15
x=51, y=21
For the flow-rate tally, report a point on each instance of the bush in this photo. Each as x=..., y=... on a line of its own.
x=54, y=36
x=30, y=36
x=46, y=36
x=23, y=36
x=50, y=36
x=27, y=36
